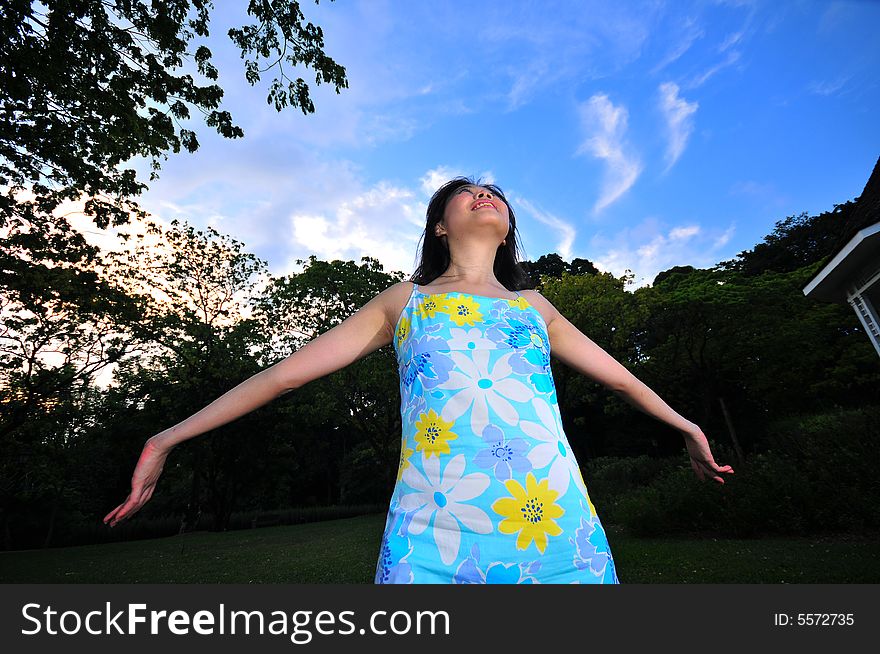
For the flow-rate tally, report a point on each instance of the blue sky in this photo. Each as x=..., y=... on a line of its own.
x=638, y=135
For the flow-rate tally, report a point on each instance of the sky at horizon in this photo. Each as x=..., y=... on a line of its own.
x=638, y=135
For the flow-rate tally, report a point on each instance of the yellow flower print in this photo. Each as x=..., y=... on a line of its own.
x=584, y=486
x=433, y=434
x=520, y=303
x=432, y=305
x=403, y=330
x=405, y=453
x=463, y=310
x=530, y=512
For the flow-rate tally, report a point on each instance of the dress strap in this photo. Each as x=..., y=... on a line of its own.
x=517, y=293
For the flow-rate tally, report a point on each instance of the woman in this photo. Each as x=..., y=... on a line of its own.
x=488, y=489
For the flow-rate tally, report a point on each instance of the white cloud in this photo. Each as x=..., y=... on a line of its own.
x=682, y=39
x=382, y=222
x=732, y=39
x=606, y=126
x=437, y=177
x=529, y=78
x=649, y=248
x=487, y=177
x=825, y=87
x=834, y=17
x=286, y=202
x=723, y=239
x=692, y=29
x=678, y=114
x=539, y=46
x=732, y=57
x=566, y=230
x=683, y=233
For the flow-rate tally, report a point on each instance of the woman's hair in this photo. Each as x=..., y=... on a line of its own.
x=435, y=257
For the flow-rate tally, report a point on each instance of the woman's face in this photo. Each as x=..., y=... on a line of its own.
x=475, y=208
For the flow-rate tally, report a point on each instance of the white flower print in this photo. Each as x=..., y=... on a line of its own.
x=462, y=338
x=482, y=388
x=553, y=449
x=446, y=496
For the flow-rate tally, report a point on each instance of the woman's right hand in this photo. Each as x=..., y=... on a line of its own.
x=143, y=481
x=702, y=461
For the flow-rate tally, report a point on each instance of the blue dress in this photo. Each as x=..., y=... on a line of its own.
x=488, y=489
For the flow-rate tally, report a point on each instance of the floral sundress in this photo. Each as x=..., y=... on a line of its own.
x=488, y=489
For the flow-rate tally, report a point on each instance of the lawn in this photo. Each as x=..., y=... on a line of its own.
x=345, y=551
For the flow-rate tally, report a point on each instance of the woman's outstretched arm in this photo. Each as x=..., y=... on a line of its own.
x=365, y=331
x=571, y=346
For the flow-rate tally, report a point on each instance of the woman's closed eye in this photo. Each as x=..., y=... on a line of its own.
x=472, y=191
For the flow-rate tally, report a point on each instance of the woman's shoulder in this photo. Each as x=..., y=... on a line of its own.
x=542, y=304
x=397, y=290
x=395, y=298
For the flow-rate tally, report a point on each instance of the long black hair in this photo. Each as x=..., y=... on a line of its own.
x=435, y=259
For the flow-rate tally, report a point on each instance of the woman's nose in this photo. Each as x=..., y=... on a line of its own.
x=482, y=194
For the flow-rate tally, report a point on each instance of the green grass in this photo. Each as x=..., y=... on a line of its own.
x=835, y=559
x=345, y=551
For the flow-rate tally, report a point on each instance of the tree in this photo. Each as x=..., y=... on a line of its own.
x=355, y=406
x=88, y=85
x=583, y=267
x=739, y=350
x=549, y=265
x=59, y=327
x=553, y=265
x=797, y=241
x=84, y=87
x=201, y=284
x=601, y=308
x=200, y=278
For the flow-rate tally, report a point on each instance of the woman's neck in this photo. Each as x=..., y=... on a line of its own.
x=476, y=284
x=475, y=275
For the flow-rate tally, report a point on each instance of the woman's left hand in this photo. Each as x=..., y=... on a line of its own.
x=702, y=461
